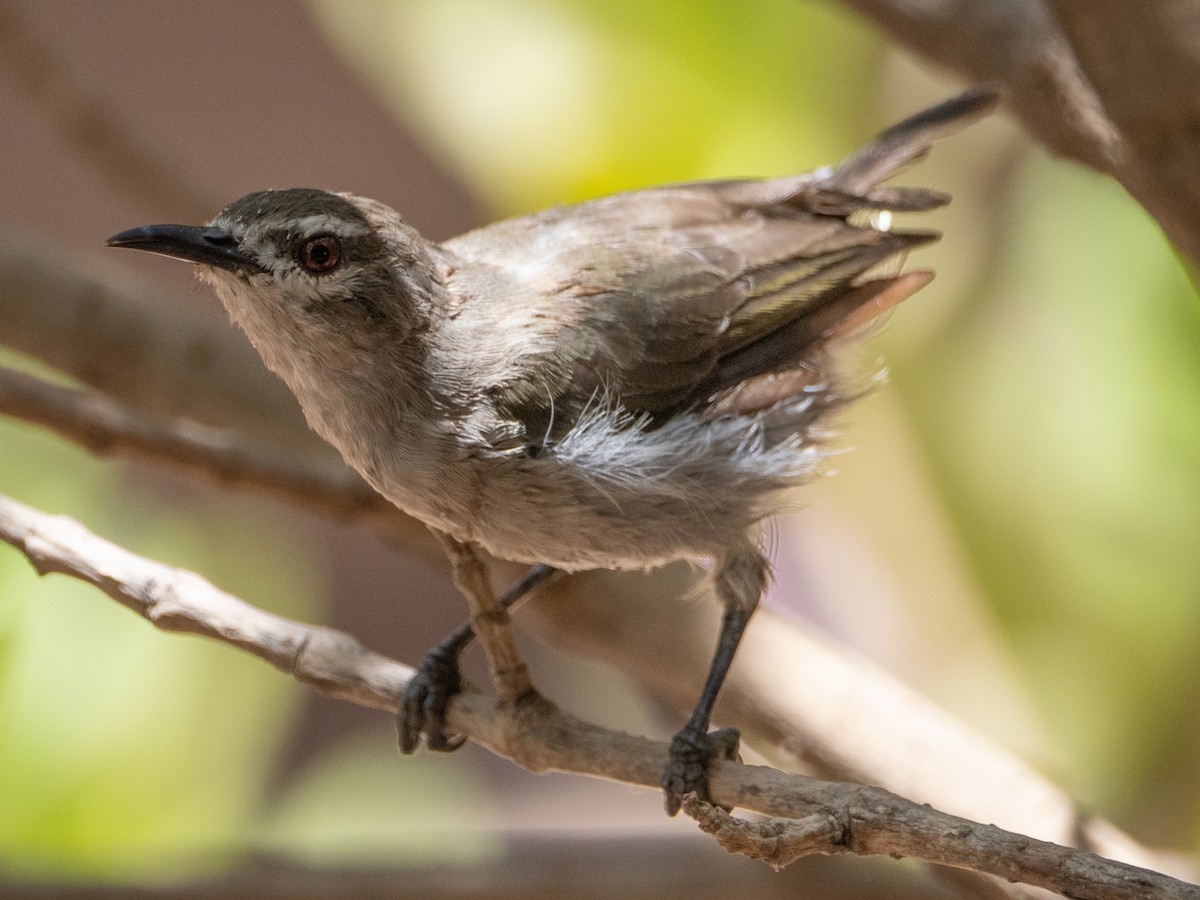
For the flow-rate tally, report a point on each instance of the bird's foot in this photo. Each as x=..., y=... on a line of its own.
x=425, y=700
x=692, y=750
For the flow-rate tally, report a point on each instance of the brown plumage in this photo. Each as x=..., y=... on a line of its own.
x=618, y=383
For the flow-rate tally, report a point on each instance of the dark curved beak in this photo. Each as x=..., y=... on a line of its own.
x=202, y=244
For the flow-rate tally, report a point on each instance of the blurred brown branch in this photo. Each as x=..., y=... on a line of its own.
x=84, y=120
x=539, y=737
x=1085, y=81
x=105, y=427
x=152, y=353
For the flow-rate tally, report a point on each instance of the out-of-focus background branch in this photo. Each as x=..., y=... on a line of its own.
x=1109, y=84
x=1013, y=535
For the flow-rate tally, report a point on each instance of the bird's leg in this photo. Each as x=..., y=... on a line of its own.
x=439, y=676
x=738, y=580
x=489, y=621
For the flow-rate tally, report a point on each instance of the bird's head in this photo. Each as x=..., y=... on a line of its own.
x=306, y=271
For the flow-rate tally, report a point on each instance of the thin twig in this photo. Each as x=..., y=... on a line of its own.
x=539, y=737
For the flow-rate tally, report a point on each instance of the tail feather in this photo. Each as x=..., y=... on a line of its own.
x=863, y=172
x=857, y=184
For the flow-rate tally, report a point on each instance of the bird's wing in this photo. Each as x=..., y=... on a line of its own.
x=662, y=317
x=668, y=297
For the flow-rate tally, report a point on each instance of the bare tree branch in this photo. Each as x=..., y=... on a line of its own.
x=847, y=720
x=105, y=427
x=153, y=355
x=1016, y=43
x=1148, y=79
x=538, y=736
x=1116, y=98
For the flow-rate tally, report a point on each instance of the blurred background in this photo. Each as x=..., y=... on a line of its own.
x=1014, y=531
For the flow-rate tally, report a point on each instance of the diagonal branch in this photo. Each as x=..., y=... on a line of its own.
x=1016, y=43
x=1086, y=84
x=1147, y=77
x=539, y=737
x=155, y=355
x=105, y=427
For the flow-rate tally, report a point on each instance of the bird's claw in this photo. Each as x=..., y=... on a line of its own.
x=425, y=700
x=692, y=750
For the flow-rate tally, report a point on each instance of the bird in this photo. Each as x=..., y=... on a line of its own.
x=615, y=384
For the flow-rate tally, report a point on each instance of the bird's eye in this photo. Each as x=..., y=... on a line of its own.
x=320, y=254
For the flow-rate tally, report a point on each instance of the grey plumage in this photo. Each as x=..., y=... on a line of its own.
x=618, y=383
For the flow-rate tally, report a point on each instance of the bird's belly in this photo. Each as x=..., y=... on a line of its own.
x=557, y=519
x=637, y=499
x=609, y=495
